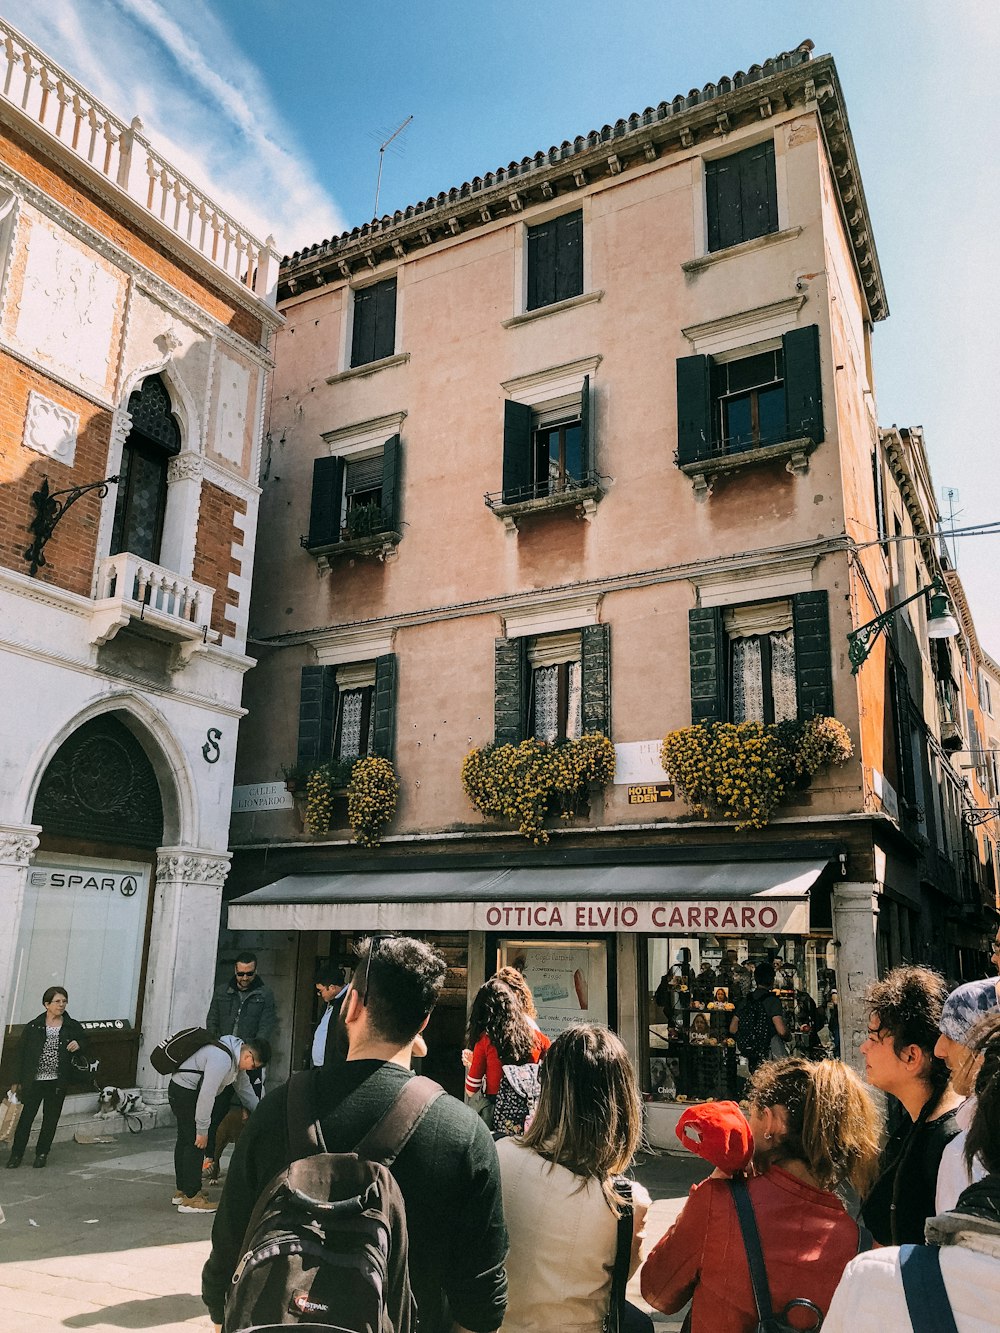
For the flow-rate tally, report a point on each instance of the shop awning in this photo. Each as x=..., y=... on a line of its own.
x=737, y=898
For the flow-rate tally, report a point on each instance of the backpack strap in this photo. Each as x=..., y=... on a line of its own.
x=386, y=1139
x=219, y=1045
x=751, y=1241
x=305, y=1135
x=923, y=1286
x=866, y=1241
x=623, y=1253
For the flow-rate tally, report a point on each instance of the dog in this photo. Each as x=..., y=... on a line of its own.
x=230, y=1129
x=118, y=1101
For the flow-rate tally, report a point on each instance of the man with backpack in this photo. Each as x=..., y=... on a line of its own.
x=759, y=1025
x=198, y=1078
x=363, y=1127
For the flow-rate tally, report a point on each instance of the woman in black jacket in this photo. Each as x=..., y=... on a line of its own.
x=45, y=1066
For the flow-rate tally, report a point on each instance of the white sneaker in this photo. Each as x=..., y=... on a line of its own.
x=178, y=1196
x=197, y=1203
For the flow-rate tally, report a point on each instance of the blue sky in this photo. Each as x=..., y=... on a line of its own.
x=280, y=105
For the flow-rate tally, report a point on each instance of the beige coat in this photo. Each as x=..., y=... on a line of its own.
x=562, y=1244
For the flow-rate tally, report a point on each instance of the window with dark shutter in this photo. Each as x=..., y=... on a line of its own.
x=813, y=653
x=317, y=712
x=510, y=691
x=555, y=260
x=326, y=504
x=741, y=196
x=374, y=333
x=384, y=728
x=595, y=659
x=707, y=649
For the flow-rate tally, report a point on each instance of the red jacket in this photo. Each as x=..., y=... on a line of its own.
x=486, y=1064
x=805, y=1234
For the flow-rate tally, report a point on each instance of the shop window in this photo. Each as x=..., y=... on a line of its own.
x=765, y=661
x=750, y=401
x=141, y=501
x=741, y=196
x=355, y=500
x=347, y=711
x=554, y=687
x=555, y=260
x=696, y=986
x=374, y=331
x=547, y=450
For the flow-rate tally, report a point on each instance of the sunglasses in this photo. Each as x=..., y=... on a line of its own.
x=251, y=973
x=377, y=941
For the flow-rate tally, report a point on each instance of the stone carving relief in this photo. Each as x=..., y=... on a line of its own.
x=50, y=429
x=192, y=869
x=185, y=467
x=16, y=848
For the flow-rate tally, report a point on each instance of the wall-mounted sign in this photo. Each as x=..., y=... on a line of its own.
x=648, y=793
x=764, y=916
x=107, y=1025
x=261, y=796
x=639, y=761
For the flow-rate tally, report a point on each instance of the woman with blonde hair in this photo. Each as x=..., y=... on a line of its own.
x=814, y=1128
x=570, y=1214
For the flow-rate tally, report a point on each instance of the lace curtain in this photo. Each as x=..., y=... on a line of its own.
x=351, y=712
x=748, y=679
x=547, y=719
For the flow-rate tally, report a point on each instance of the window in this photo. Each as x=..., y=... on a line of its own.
x=141, y=502
x=555, y=260
x=881, y=527
x=555, y=687
x=762, y=661
x=354, y=735
x=374, y=335
x=741, y=196
x=546, y=449
x=347, y=711
x=985, y=694
x=749, y=401
x=355, y=499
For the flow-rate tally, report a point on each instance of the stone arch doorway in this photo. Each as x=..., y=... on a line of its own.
x=85, y=920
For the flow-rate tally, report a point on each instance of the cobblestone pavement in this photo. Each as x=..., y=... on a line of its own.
x=92, y=1242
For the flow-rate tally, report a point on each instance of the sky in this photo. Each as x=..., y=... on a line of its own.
x=278, y=108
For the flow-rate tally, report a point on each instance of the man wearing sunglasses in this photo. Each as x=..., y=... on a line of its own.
x=446, y=1171
x=241, y=1007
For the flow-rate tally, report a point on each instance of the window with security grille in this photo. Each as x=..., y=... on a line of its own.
x=141, y=502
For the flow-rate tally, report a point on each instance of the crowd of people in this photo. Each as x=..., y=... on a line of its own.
x=817, y=1212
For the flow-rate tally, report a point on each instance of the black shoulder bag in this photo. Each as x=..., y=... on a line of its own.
x=767, y=1320
x=622, y=1316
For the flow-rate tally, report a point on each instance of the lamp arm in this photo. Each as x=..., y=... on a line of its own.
x=860, y=640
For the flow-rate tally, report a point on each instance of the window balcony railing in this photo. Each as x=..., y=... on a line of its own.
x=132, y=591
x=540, y=497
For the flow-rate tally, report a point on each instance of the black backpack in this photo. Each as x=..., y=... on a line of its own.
x=169, y=1056
x=326, y=1245
x=753, y=1036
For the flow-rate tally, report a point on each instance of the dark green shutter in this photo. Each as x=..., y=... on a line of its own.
x=904, y=740
x=392, y=459
x=694, y=409
x=541, y=265
x=363, y=335
x=586, y=440
x=569, y=256
x=510, y=691
x=803, y=384
x=384, y=703
x=385, y=319
x=595, y=671
x=758, y=191
x=327, y=501
x=516, y=452
x=709, y=665
x=813, y=654
x=722, y=202
x=317, y=711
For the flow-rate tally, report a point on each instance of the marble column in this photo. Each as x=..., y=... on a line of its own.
x=855, y=920
x=180, y=971
x=17, y=845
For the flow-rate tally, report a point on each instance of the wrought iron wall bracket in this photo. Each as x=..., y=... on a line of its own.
x=980, y=814
x=49, y=509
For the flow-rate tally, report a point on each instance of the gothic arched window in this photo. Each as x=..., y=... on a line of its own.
x=154, y=439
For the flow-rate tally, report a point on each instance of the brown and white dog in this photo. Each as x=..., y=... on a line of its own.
x=118, y=1101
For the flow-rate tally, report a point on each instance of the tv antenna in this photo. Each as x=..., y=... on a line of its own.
x=950, y=496
x=381, y=157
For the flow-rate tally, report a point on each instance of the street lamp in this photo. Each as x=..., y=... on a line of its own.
x=941, y=624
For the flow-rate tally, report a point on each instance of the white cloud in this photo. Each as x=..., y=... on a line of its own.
x=203, y=104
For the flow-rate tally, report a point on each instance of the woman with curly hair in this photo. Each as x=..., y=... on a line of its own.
x=903, y=1030
x=499, y=1033
x=814, y=1129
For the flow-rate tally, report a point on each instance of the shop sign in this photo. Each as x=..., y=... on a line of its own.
x=775, y=916
x=262, y=796
x=86, y=881
x=649, y=793
x=639, y=761
x=106, y=1025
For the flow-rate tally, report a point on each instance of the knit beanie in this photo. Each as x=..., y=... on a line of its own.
x=965, y=1006
x=719, y=1132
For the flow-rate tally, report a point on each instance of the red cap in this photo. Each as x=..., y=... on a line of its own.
x=719, y=1132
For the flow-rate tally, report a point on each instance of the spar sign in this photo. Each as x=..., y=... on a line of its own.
x=755, y=916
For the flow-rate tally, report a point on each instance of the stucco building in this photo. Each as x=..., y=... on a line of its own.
x=585, y=445
x=136, y=318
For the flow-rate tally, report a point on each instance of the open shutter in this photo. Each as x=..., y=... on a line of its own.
x=595, y=669
x=586, y=440
x=569, y=256
x=384, y=703
x=391, y=467
x=317, y=710
x=803, y=384
x=327, y=501
x=709, y=665
x=384, y=343
x=904, y=742
x=516, y=452
x=694, y=409
x=813, y=654
x=510, y=691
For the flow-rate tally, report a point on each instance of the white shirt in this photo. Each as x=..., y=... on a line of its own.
x=953, y=1175
x=319, y=1038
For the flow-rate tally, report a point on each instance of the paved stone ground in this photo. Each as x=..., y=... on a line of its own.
x=92, y=1242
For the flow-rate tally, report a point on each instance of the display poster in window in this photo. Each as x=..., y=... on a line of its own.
x=82, y=926
x=568, y=980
